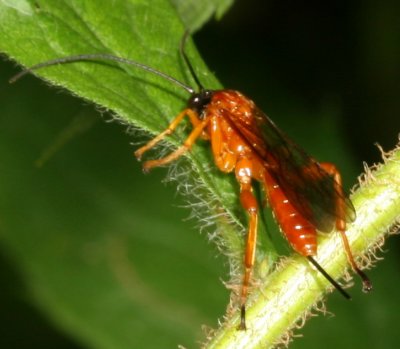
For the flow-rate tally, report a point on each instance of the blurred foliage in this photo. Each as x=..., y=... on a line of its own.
x=73, y=236
x=327, y=73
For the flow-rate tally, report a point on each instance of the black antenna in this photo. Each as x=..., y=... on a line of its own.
x=101, y=56
x=328, y=277
x=187, y=62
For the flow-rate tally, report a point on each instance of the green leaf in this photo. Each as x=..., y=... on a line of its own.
x=80, y=241
x=133, y=96
x=196, y=13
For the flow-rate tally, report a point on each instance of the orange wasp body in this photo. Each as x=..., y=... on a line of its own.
x=304, y=195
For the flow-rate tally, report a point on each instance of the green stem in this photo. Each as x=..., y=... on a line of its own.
x=288, y=294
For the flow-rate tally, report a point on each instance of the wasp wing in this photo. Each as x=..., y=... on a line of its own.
x=309, y=188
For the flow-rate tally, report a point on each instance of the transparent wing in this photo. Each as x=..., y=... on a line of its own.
x=310, y=189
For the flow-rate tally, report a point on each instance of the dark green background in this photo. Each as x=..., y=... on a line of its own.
x=328, y=74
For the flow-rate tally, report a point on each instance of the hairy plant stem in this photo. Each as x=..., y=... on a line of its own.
x=285, y=298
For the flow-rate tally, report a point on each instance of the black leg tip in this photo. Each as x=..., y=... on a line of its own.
x=242, y=326
x=367, y=286
x=366, y=282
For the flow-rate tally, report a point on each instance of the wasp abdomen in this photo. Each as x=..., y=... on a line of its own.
x=301, y=235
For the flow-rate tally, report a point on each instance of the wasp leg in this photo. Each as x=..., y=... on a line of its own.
x=341, y=223
x=170, y=129
x=249, y=203
x=196, y=133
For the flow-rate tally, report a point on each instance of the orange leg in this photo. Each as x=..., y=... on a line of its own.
x=226, y=161
x=341, y=223
x=198, y=130
x=171, y=128
x=249, y=203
